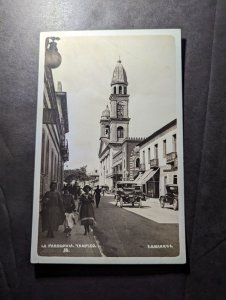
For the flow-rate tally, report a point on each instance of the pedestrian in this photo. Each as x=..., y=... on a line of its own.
x=78, y=188
x=86, y=211
x=52, y=210
x=97, y=194
x=69, y=207
x=103, y=190
x=70, y=188
x=74, y=191
x=118, y=194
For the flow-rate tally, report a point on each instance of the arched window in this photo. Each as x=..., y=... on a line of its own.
x=115, y=90
x=138, y=162
x=107, y=131
x=125, y=90
x=120, y=132
x=120, y=89
x=120, y=110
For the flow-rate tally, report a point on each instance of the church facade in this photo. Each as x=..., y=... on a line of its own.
x=115, y=143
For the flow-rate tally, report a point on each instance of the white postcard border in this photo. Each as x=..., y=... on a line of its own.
x=181, y=259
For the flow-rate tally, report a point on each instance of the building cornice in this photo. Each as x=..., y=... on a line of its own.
x=133, y=140
x=158, y=132
x=115, y=97
x=120, y=119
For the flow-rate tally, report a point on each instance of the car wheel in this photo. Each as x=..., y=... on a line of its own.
x=162, y=202
x=121, y=203
x=175, y=204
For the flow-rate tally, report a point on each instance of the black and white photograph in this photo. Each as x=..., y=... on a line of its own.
x=109, y=180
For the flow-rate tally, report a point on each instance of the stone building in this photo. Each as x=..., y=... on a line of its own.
x=55, y=123
x=122, y=165
x=135, y=167
x=115, y=144
x=158, y=160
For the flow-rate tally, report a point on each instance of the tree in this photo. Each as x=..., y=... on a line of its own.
x=76, y=174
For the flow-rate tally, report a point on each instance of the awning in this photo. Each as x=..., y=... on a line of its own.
x=139, y=177
x=146, y=176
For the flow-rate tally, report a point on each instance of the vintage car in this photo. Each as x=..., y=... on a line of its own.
x=171, y=196
x=127, y=192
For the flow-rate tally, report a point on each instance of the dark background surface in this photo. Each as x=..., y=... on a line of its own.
x=203, y=25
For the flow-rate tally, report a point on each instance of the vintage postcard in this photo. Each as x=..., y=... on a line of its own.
x=108, y=182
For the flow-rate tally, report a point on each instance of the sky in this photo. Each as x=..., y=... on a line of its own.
x=86, y=71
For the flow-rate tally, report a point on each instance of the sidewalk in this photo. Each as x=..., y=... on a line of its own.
x=151, y=210
x=76, y=245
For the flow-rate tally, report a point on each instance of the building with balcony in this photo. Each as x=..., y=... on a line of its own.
x=54, y=125
x=158, y=160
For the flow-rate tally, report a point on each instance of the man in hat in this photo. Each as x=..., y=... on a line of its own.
x=97, y=193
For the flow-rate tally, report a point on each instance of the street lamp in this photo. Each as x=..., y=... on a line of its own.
x=52, y=56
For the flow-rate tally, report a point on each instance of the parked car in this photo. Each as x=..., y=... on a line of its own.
x=127, y=192
x=171, y=196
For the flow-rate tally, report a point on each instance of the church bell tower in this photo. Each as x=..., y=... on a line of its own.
x=119, y=100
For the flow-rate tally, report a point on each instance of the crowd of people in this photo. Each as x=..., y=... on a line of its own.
x=62, y=208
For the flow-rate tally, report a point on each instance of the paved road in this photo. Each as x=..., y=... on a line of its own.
x=119, y=232
x=122, y=233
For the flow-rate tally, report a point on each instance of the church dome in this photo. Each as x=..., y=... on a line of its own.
x=119, y=74
x=106, y=113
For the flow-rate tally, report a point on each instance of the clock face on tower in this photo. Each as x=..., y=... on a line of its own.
x=120, y=111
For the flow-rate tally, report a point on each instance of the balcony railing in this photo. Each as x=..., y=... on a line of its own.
x=64, y=150
x=142, y=167
x=49, y=116
x=171, y=157
x=118, y=172
x=154, y=163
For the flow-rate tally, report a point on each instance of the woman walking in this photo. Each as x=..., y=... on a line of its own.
x=86, y=211
x=52, y=210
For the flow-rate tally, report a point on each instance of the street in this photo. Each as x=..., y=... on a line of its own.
x=119, y=232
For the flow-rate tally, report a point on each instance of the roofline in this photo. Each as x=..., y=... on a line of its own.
x=119, y=82
x=126, y=181
x=104, y=151
x=117, y=153
x=133, y=140
x=159, y=131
